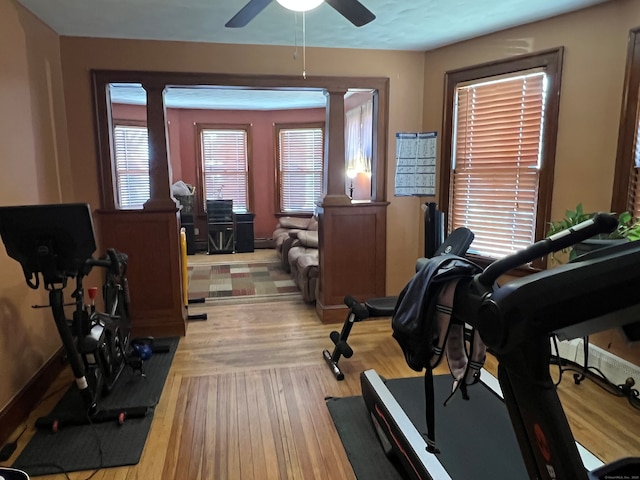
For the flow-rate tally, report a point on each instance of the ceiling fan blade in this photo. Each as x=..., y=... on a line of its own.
x=247, y=13
x=353, y=11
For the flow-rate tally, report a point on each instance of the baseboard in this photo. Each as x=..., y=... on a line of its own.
x=264, y=243
x=19, y=409
x=614, y=368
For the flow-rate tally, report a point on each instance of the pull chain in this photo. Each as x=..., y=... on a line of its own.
x=295, y=36
x=304, y=46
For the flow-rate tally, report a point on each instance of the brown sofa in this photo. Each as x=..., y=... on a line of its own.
x=296, y=241
x=285, y=235
x=304, y=261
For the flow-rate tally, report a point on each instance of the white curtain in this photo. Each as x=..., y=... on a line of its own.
x=359, y=136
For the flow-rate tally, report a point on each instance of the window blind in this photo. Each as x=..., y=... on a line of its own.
x=300, y=168
x=496, y=151
x=132, y=165
x=225, y=166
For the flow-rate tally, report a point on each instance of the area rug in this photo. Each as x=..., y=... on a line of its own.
x=101, y=445
x=475, y=437
x=248, y=282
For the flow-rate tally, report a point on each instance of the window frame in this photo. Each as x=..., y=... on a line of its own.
x=551, y=62
x=116, y=183
x=629, y=119
x=200, y=190
x=278, y=127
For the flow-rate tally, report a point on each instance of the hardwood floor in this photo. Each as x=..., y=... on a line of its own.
x=245, y=399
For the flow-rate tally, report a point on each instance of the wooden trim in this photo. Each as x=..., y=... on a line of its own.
x=104, y=142
x=20, y=407
x=379, y=138
x=122, y=122
x=628, y=116
x=233, y=80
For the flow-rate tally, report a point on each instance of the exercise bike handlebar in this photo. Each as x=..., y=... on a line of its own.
x=113, y=260
x=600, y=223
x=100, y=262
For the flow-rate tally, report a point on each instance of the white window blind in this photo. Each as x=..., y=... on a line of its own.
x=225, y=166
x=132, y=165
x=496, y=150
x=300, y=168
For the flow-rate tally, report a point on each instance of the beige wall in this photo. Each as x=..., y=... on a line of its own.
x=34, y=160
x=404, y=69
x=595, y=42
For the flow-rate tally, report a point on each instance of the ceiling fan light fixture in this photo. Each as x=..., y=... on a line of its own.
x=300, y=5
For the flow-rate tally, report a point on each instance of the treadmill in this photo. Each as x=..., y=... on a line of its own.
x=531, y=438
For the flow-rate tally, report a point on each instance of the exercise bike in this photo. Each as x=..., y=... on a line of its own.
x=56, y=243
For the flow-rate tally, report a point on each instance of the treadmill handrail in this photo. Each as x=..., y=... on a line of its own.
x=601, y=223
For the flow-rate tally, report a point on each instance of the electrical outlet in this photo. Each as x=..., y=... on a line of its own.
x=196, y=231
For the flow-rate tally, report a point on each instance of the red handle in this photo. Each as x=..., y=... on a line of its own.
x=93, y=292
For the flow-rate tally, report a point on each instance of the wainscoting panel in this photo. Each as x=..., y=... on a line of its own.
x=352, y=241
x=152, y=242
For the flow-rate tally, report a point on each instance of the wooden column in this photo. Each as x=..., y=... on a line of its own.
x=352, y=238
x=159, y=165
x=334, y=151
x=151, y=238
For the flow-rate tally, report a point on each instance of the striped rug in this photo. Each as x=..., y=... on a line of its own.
x=241, y=281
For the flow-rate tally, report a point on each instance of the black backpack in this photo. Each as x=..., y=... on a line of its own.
x=424, y=327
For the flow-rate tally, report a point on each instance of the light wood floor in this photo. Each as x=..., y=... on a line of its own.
x=245, y=400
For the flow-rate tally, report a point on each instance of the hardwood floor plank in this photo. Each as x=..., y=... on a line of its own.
x=270, y=418
x=244, y=415
x=265, y=461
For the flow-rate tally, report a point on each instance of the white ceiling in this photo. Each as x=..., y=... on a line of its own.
x=399, y=24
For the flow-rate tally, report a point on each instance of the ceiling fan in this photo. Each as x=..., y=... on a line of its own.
x=352, y=10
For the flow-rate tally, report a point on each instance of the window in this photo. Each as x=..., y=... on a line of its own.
x=626, y=183
x=225, y=165
x=359, y=144
x=299, y=167
x=131, y=144
x=498, y=151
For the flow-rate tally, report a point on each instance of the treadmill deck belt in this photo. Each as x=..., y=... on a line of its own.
x=475, y=437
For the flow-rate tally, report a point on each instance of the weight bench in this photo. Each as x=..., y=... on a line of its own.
x=456, y=244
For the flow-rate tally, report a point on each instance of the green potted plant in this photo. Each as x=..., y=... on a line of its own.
x=628, y=230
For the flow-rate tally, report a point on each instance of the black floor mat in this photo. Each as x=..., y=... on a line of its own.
x=101, y=445
x=363, y=449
